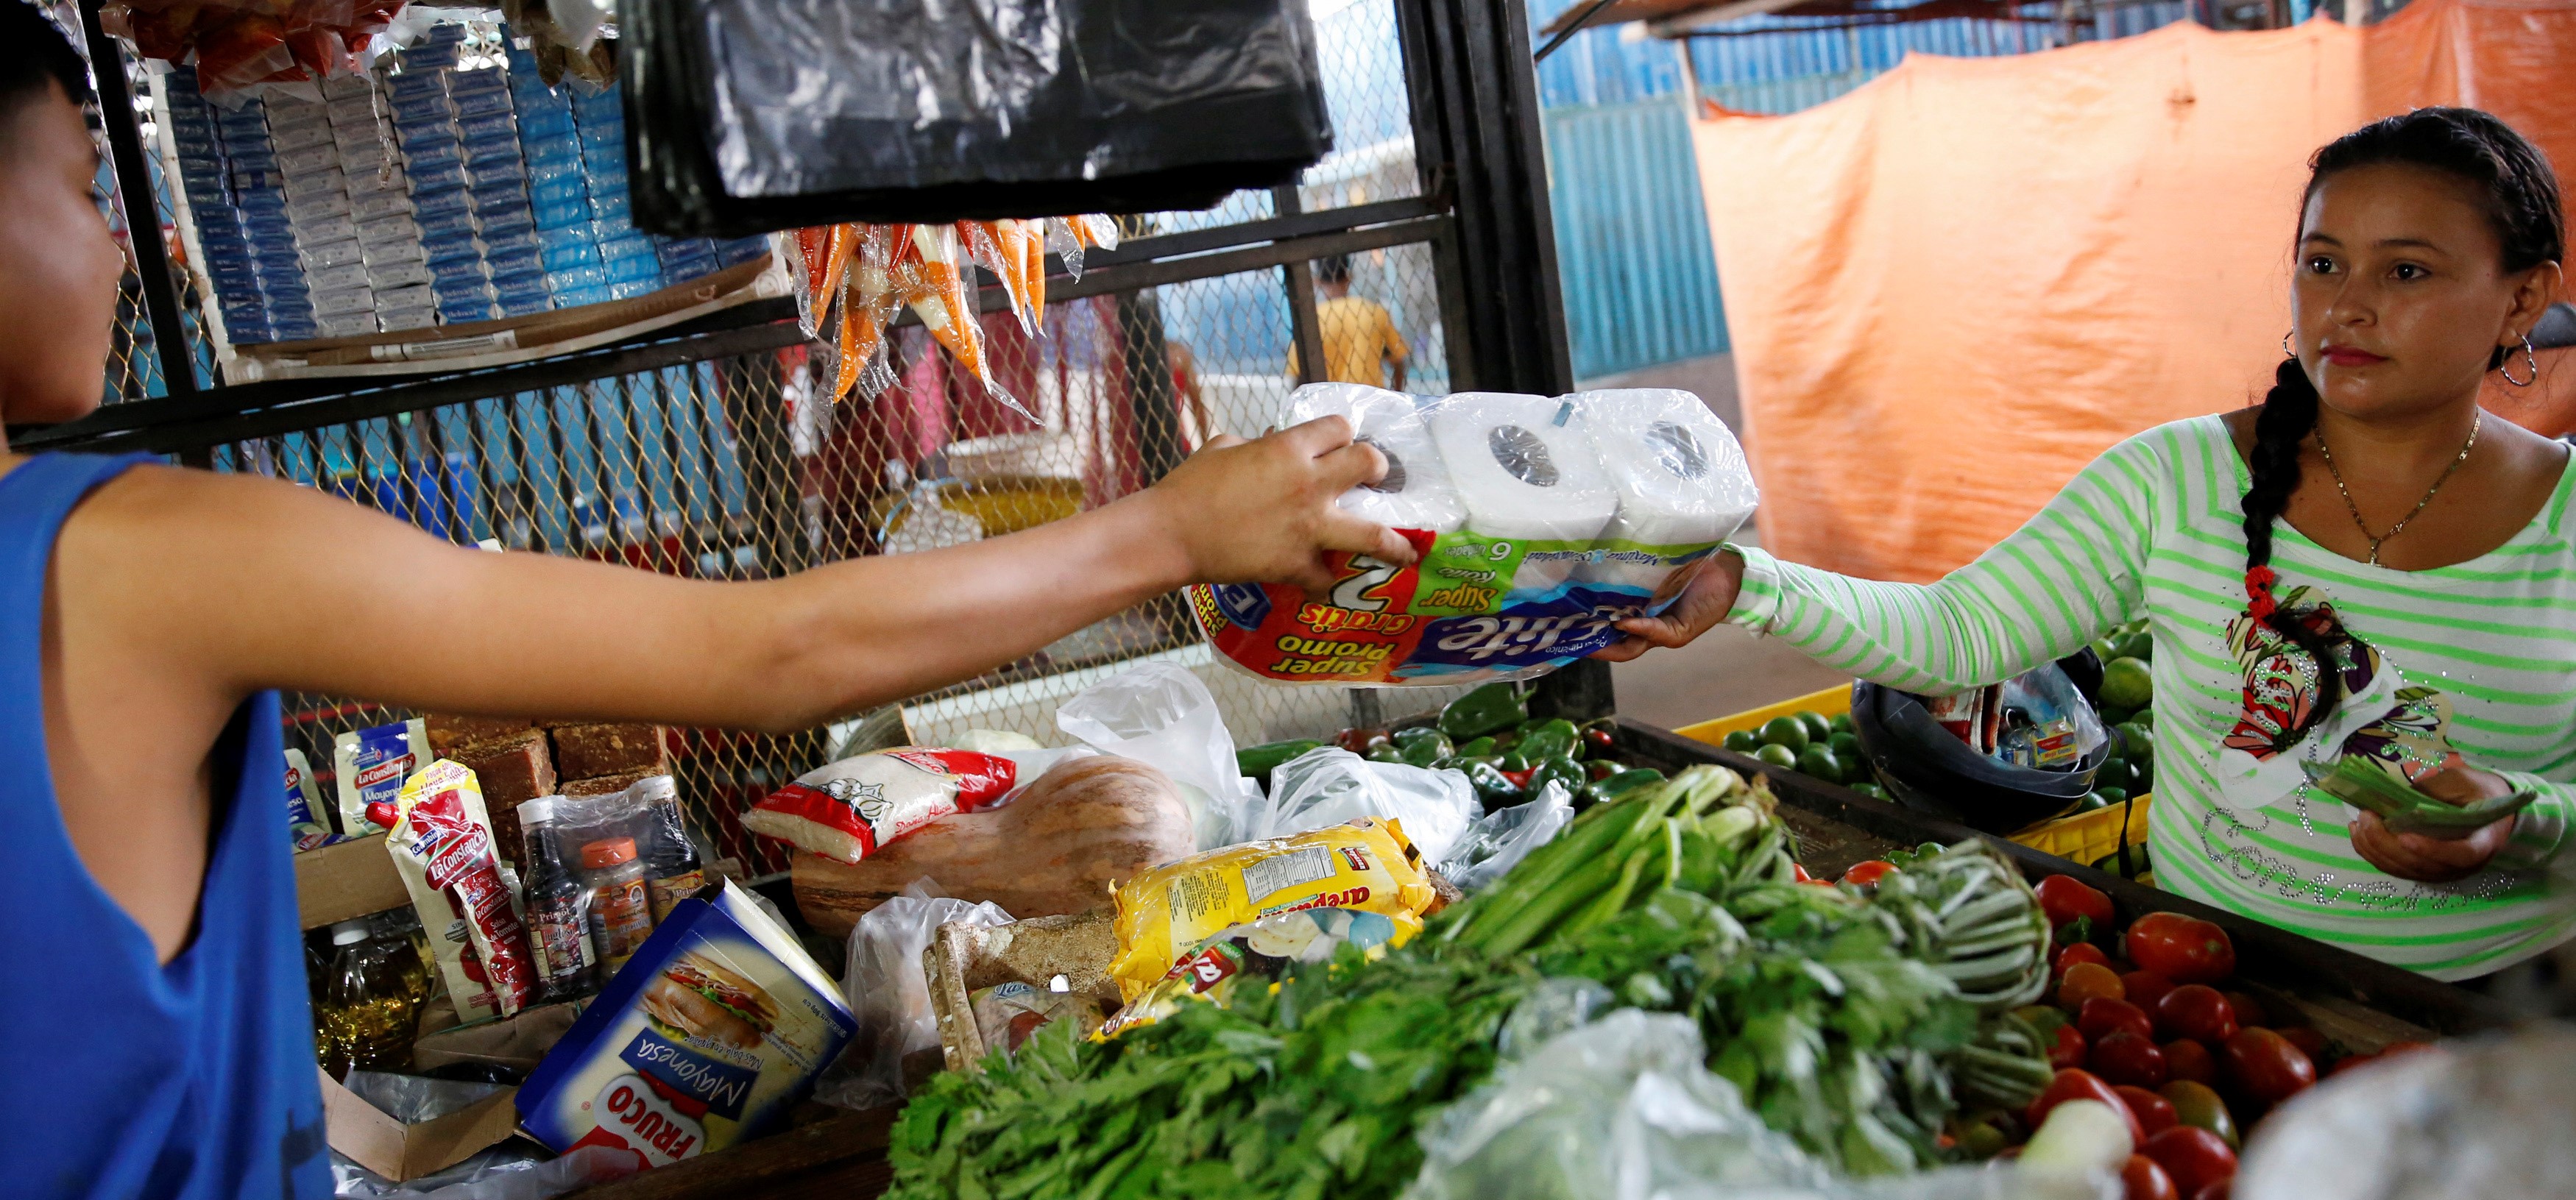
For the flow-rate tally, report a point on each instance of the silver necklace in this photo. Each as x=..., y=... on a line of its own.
x=2348, y=506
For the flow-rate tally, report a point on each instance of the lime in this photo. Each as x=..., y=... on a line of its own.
x=1820, y=762
x=1818, y=728
x=2128, y=683
x=2106, y=647
x=2092, y=801
x=1786, y=731
x=2114, y=794
x=1846, y=747
x=2146, y=717
x=1779, y=756
x=1841, y=723
x=2113, y=771
x=1742, y=741
x=2138, y=646
x=2111, y=716
x=1871, y=790
x=2137, y=741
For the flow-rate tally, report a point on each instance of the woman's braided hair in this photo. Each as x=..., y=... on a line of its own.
x=2522, y=205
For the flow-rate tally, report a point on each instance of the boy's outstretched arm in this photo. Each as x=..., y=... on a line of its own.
x=239, y=583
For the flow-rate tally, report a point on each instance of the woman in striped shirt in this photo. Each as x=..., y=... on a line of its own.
x=2367, y=516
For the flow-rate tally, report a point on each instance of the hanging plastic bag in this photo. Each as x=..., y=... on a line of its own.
x=931, y=273
x=1328, y=786
x=890, y=995
x=1496, y=842
x=1162, y=715
x=764, y=114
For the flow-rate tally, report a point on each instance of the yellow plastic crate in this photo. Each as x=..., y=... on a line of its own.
x=2083, y=837
x=1833, y=701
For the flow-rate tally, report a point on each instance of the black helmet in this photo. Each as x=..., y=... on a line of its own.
x=1928, y=768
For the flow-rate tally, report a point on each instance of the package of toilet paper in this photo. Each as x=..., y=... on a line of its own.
x=1539, y=521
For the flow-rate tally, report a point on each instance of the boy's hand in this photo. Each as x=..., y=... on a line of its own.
x=2430, y=858
x=1263, y=510
x=1704, y=602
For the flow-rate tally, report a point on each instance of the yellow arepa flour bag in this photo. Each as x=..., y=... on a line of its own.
x=1364, y=865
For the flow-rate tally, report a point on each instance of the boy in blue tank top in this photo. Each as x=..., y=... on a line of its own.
x=162, y=1043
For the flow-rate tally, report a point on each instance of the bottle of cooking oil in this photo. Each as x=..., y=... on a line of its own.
x=365, y=1020
x=407, y=947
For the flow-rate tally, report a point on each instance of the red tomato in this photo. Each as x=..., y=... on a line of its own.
x=2125, y=1057
x=2393, y=1049
x=2155, y=1114
x=2064, y=898
x=2349, y=1061
x=2145, y=988
x=2142, y=1179
x=1867, y=874
x=2264, y=1065
x=2216, y=1191
x=2180, y=948
x=2250, y=1010
x=2100, y=1017
x=2196, y=1011
x=2081, y=952
x=2068, y=1049
x=2309, y=1041
x=2187, y=1059
x=2074, y=1084
x=2087, y=981
x=2195, y=1157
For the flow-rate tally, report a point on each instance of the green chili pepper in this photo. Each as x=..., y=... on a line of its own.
x=1622, y=783
x=1259, y=761
x=1424, y=751
x=1514, y=760
x=1385, y=754
x=1601, y=768
x=1477, y=748
x=1488, y=709
x=1553, y=738
x=2403, y=808
x=1560, y=769
x=1490, y=785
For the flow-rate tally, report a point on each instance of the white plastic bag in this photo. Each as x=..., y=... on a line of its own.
x=1161, y=715
x=513, y=1170
x=1499, y=840
x=890, y=994
x=2483, y=1117
x=1623, y=1109
x=1327, y=786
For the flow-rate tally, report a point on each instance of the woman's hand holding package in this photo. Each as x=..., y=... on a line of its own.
x=1704, y=602
x=2434, y=857
x=1264, y=510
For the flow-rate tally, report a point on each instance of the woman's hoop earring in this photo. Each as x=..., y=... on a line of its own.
x=2285, y=344
x=2506, y=368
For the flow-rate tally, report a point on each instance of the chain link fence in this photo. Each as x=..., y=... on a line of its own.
x=734, y=469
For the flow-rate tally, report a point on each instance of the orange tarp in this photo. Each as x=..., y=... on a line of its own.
x=1953, y=287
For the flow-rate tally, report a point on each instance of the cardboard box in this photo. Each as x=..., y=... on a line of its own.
x=347, y=879
x=591, y=751
x=399, y=1152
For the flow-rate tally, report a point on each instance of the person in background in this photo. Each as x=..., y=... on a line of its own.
x=1360, y=341
x=149, y=615
x=2367, y=568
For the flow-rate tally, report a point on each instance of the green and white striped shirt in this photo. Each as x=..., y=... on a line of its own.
x=2153, y=528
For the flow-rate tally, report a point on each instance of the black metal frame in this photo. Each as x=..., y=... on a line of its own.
x=1483, y=214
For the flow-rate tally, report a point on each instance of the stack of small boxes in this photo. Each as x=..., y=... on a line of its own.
x=229, y=171
x=421, y=195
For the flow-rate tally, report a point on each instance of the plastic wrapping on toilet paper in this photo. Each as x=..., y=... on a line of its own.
x=1540, y=522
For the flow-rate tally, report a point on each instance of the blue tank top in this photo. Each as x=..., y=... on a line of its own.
x=122, y=1077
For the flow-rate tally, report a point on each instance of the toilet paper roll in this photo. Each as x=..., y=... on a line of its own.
x=1525, y=473
x=1416, y=492
x=1678, y=472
